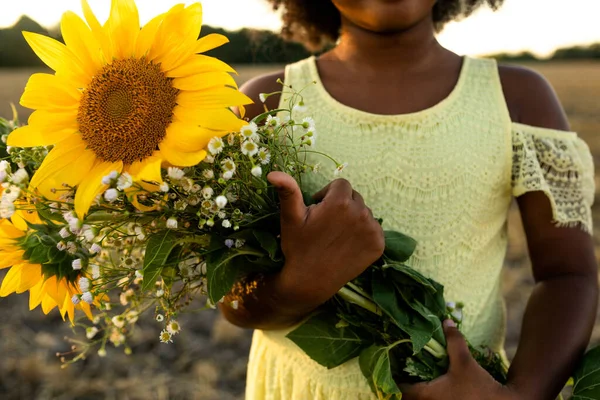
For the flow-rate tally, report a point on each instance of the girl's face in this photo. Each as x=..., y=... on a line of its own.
x=384, y=16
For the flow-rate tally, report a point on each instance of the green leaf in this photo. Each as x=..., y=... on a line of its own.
x=413, y=275
x=223, y=269
x=327, y=345
x=398, y=246
x=587, y=377
x=268, y=242
x=419, y=370
x=160, y=245
x=382, y=374
x=259, y=118
x=367, y=360
x=412, y=323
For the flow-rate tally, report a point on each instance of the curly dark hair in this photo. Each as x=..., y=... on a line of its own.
x=317, y=23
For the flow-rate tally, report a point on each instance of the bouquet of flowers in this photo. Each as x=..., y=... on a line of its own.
x=134, y=187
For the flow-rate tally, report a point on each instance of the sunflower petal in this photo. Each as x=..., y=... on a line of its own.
x=58, y=57
x=204, y=80
x=31, y=136
x=179, y=158
x=146, y=170
x=219, y=119
x=55, y=120
x=23, y=216
x=147, y=35
x=199, y=63
x=209, y=42
x=11, y=280
x=212, y=99
x=48, y=304
x=8, y=260
x=47, y=91
x=188, y=138
x=31, y=274
x=79, y=38
x=92, y=186
x=97, y=31
x=87, y=310
x=123, y=27
x=63, y=154
x=177, y=36
x=36, y=294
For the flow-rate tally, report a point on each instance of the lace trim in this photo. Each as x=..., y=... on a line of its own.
x=558, y=164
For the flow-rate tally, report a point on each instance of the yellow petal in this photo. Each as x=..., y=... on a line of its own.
x=97, y=31
x=9, y=230
x=47, y=91
x=85, y=307
x=22, y=216
x=31, y=274
x=31, y=136
x=212, y=99
x=209, y=42
x=63, y=154
x=8, y=260
x=11, y=280
x=219, y=119
x=188, y=138
x=197, y=64
x=92, y=186
x=58, y=57
x=147, y=35
x=48, y=304
x=204, y=80
x=36, y=294
x=146, y=170
x=179, y=158
x=79, y=39
x=176, y=36
x=55, y=120
x=123, y=27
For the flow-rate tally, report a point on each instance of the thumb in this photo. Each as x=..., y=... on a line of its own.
x=293, y=208
x=458, y=350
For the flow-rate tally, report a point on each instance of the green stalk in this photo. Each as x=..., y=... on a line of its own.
x=354, y=298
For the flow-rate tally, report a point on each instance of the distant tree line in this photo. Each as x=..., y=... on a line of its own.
x=247, y=46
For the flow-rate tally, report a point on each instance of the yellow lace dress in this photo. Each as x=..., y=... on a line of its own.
x=445, y=176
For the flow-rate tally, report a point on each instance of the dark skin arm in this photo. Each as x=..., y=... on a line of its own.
x=561, y=311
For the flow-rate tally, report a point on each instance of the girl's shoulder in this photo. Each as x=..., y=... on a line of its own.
x=530, y=98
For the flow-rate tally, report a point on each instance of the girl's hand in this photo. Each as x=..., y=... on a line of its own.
x=325, y=245
x=465, y=380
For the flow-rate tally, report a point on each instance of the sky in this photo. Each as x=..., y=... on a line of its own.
x=539, y=26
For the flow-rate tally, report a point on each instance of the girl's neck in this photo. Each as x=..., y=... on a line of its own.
x=402, y=50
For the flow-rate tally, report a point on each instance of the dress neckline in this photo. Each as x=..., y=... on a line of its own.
x=368, y=116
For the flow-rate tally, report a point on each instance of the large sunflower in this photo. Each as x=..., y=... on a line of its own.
x=52, y=283
x=125, y=98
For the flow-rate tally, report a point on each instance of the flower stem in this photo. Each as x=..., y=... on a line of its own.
x=354, y=298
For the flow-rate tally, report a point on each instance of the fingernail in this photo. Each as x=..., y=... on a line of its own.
x=449, y=323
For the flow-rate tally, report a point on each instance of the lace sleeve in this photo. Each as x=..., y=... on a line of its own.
x=560, y=165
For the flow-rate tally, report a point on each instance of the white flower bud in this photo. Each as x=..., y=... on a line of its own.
x=20, y=176
x=64, y=233
x=95, y=271
x=221, y=201
x=208, y=173
x=111, y=195
x=125, y=181
x=175, y=173
x=76, y=264
x=207, y=192
x=257, y=171
x=95, y=249
x=87, y=297
x=91, y=332
x=84, y=284
x=227, y=175
x=118, y=321
x=164, y=187
x=226, y=223
x=75, y=299
x=172, y=223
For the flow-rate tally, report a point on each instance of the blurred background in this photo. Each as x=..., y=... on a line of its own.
x=559, y=39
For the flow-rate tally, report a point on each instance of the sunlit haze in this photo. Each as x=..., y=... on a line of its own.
x=539, y=26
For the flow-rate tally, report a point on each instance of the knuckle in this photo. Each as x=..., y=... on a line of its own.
x=342, y=182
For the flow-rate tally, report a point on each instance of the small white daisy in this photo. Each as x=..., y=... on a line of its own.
x=273, y=121
x=20, y=176
x=308, y=123
x=221, y=201
x=76, y=264
x=228, y=165
x=75, y=299
x=264, y=156
x=172, y=223
x=165, y=337
x=300, y=107
x=118, y=321
x=249, y=148
x=216, y=145
x=227, y=175
x=226, y=223
x=64, y=233
x=125, y=181
x=173, y=327
x=207, y=192
x=340, y=168
x=87, y=297
x=208, y=174
x=84, y=284
x=209, y=159
x=91, y=332
x=175, y=173
x=111, y=195
x=248, y=132
x=160, y=318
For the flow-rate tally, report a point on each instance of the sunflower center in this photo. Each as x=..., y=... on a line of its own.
x=126, y=109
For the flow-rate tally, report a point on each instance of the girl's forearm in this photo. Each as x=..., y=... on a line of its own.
x=556, y=329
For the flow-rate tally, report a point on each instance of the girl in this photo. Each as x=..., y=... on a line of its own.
x=438, y=144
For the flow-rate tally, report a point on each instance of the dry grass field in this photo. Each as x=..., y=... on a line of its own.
x=208, y=359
